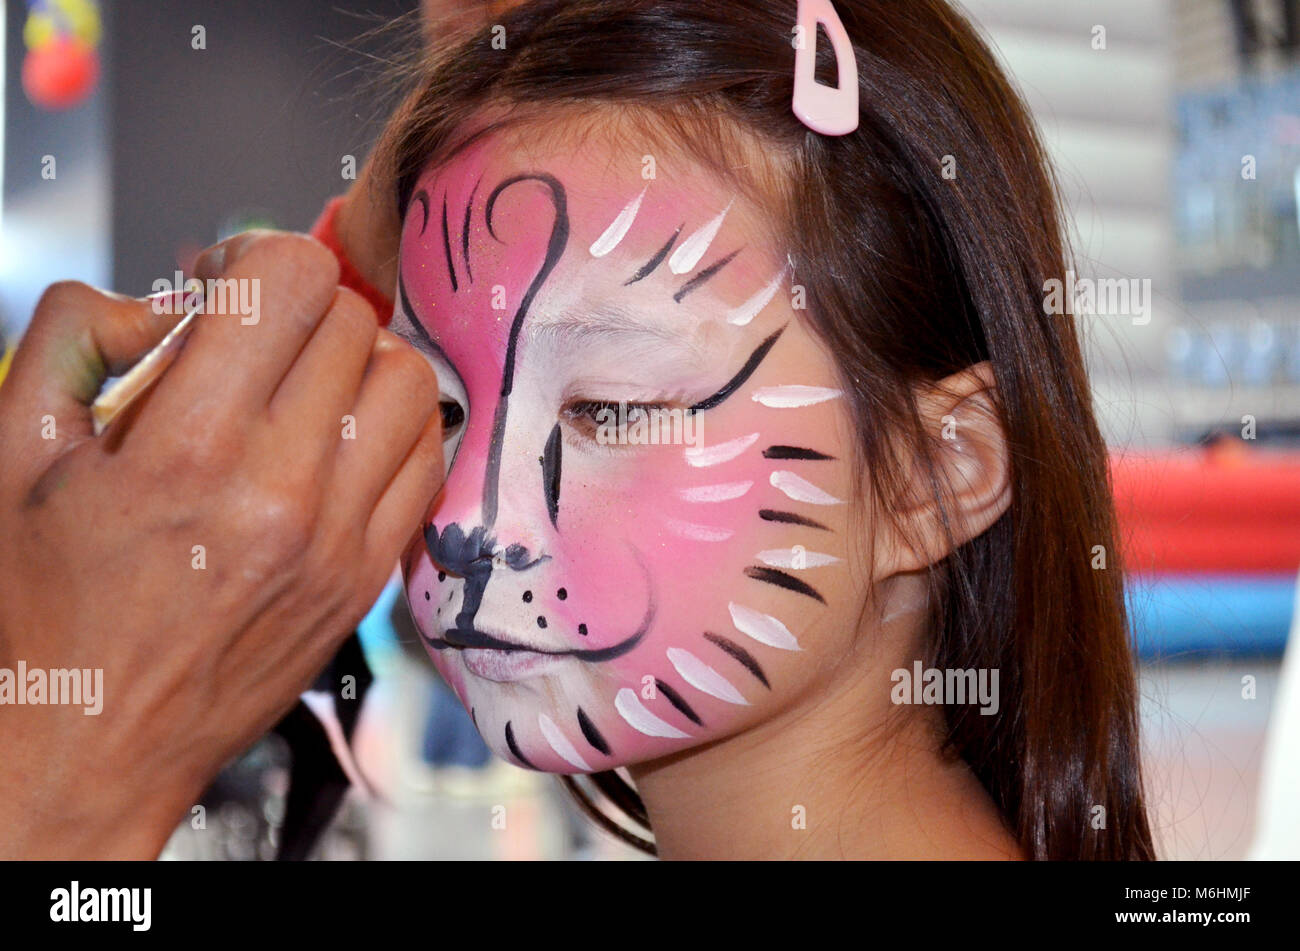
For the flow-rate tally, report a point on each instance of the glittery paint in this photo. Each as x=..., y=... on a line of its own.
x=598, y=605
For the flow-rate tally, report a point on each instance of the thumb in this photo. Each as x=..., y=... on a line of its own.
x=79, y=337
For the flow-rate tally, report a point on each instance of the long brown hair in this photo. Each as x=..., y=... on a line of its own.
x=924, y=240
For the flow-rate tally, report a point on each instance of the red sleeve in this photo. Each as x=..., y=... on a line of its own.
x=324, y=231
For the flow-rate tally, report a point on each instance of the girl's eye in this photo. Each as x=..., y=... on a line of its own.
x=607, y=421
x=453, y=416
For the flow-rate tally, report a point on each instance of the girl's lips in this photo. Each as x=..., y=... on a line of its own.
x=505, y=666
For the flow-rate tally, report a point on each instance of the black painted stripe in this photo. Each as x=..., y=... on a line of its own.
x=789, y=518
x=551, y=458
x=783, y=580
x=745, y=373
x=429, y=343
x=514, y=747
x=742, y=656
x=554, y=251
x=591, y=733
x=446, y=243
x=649, y=267
x=699, y=279
x=422, y=197
x=464, y=231
x=794, y=452
x=678, y=701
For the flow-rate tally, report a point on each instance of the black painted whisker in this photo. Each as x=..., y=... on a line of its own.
x=790, y=518
x=514, y=747
x=794, y=452
x=678, y=701
x=591, y=734
x=649, y=267
x=784, y=580
x=705, y=275
x=742, y=656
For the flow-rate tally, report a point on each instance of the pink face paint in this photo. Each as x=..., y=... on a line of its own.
x=596, y=605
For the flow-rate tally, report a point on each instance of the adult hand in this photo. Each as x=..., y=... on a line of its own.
x=209, y=553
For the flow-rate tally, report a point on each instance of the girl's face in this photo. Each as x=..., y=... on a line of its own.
x=641, y=545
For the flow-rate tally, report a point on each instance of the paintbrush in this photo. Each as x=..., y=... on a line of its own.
x=136, y=381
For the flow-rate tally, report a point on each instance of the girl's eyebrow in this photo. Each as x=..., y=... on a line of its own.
x=607, y=324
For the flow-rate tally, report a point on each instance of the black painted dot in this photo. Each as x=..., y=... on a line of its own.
x=442, y=576
x=528, y=597
x=427, y=596
x=582, y=629
x=541, y=622
x=561, y=594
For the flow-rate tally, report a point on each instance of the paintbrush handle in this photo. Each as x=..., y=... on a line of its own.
x=140, y=377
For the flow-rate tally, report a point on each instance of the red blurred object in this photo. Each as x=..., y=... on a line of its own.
x=60, y=74
x=1222, y=510
x=325, y=230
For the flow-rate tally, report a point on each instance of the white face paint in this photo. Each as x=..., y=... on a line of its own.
x=601, y=602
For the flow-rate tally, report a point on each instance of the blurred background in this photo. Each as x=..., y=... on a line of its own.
x=134, y=134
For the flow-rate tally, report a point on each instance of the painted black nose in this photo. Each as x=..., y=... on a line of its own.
x=459, y=553
x=473, y=556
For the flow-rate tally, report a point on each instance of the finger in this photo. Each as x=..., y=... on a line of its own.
x=265, y=294
x=79, y=336
x=398, y=398
x=322, y=387
x=401, y=510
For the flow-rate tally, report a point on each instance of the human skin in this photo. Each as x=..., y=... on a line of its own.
x=714, y=617
x=238, y=449
x=367, y=225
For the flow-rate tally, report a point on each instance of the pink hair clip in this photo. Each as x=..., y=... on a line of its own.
x=830, y=111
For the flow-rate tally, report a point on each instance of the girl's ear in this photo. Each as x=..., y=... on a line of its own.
x=973, y=468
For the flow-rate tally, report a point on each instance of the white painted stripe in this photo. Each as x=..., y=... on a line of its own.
x=560, y=743
x=747, y=311
x=795, y=559
x=697, y=245
x=704, y=456
x=762, y=627
x=801, y=490
x=794, y=396
x=703, y=677
x=715, y=493
x=615, y=233
x=642, y=720
x=699, y=533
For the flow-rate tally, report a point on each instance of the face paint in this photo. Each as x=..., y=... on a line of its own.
x=597, y=605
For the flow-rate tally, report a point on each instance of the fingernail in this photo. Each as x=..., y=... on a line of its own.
x=218, y=258
x=212, y=261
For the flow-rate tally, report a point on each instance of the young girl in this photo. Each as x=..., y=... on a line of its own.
x=774, y=486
